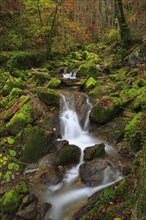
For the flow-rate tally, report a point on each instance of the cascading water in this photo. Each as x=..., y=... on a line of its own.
x=61, y=196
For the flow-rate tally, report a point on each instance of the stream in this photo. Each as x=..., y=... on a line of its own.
x=70, y=192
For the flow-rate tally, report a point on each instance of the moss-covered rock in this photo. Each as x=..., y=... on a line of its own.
x=48, y=96
x=10, y=201
x=68, y=154
x=139, y=102
x=40, y=76
x=11, y=83
x=77, y=56
x=133, y=131
x=88, y=69
x=104, y=109
x=17, y=92
x=21, y=119
x=90, y=56
x=53, y=83
x=35, y=143
x=95, y=151
x=90, y=83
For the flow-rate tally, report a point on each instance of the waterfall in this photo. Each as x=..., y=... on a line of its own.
x=68, y=192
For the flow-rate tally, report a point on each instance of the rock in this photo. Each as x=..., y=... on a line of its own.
x=42, y=210
x=104, y=109
x=94, y=151
x=88, y=69
x=124, y=168
x=51, y=177
x=136, y=57
x=10, y=201
x=36, y=142
x=90, y=56
x=68, y=154
x=27, y=200
x=48, y=96
x=21, y=119
x=29, y=212
x=92, y=173
x=90, y=83
x=39, y=75
x=125, y=150
x=53, y=83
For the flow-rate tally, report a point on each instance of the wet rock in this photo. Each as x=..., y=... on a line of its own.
x=92, y=173
x=88, y=69
x=94, y=151
x=68, y=154
x=124, y=168
x=105, y=109
x=29, y=212
x=51, y=177
x=42, y=210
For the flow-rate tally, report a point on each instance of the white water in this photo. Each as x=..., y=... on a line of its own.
x=69, y=192
x=71, y=75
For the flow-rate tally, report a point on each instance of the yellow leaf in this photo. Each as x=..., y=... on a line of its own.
x=117, y=219
x=0, y=173
x=4, y=162
x=1, y=155
x=5, y=158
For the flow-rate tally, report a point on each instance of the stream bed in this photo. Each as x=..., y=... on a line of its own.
x=69, y=193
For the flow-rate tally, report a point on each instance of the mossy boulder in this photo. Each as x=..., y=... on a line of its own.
x=68, y=154
x=105, y=109
x=77, y=56
x=53, y=83
x=11, y=83
x=90, y=83
x=10, y=201
x=88, y=69
x=139, y=102
x=48, y=96
x=21, y=119
x=40, y=76
x=94, y=151
x=35, y=143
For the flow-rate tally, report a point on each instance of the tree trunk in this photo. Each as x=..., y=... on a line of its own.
x=124, y=29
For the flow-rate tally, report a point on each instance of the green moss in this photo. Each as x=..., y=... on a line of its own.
x=139, y=102
x=133, y=131
x=113, y=35
x=4, y=76
x=11, y=83
x=77, y=56
x=17, y=92
x=90, y=83
x=88, y=69
x=21, y=187
x=89, y=56
x=53, y=83
x=10, y=201
x=35, y=143
x=21, y=119
x=48, y=96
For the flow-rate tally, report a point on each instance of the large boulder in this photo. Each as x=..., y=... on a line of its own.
x=68, y=154
x=94, y=151
x=35, y=143
x=48, y=96
x=104, y=109
x=21, y=119
x=94, y=172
